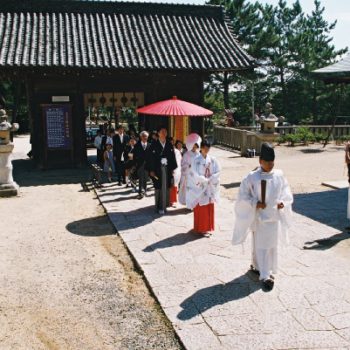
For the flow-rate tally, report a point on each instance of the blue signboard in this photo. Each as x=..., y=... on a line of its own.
x=58, y=126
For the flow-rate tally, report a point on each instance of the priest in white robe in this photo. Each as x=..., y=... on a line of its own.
x=264, y=207
x=203, y=190
x=193, y=144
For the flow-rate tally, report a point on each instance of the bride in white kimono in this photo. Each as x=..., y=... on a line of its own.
x=193, y=144
x=268, y=218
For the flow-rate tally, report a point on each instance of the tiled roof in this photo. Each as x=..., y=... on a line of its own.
x=117, y=35
x=336, y=72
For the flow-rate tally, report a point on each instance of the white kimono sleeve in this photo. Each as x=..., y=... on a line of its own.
x=245, y=210
x=214, y=181
x=177, y=171
x=286, y=213
x=196, y=186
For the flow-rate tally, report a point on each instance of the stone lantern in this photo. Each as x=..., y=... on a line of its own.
x=268, y=120
x=7, y=186
x=268, y=127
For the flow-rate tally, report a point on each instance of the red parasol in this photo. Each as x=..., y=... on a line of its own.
x=175, y=107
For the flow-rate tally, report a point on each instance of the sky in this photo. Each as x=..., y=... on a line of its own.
x=334, y=10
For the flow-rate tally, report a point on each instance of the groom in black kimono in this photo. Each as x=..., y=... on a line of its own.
x=161, y=165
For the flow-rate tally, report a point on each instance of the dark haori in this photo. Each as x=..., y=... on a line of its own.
x=161, y=165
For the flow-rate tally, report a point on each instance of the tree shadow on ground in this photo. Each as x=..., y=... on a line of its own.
x=26, y=174
x=326, y=207
x=231, y=185
x=122, y=192
x=326, y=243
x=178, y=211
x=92, y=227
x=311, y=150
x=219, y=294
x=133, y=218
x=173, y=241
x=120, y=199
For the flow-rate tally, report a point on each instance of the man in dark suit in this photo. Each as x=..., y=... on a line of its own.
x=120, y=141
x=161, y=164
x=141, y=154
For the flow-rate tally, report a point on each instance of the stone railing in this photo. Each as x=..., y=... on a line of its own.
x=238, y=139
x=241, y=139
x=338, y=130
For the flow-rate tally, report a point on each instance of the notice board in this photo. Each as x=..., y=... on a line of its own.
x=58, y=125
x=58, y=128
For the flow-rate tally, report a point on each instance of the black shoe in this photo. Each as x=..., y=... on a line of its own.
x=268, y=284
x=140, y=196
x=120, y=184
x=254, y=270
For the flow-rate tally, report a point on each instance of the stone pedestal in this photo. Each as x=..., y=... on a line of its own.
x=268, y=126
x=8, y=187
x=266, y=137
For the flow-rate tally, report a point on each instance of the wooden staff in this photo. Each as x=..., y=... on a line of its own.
x=263, y=191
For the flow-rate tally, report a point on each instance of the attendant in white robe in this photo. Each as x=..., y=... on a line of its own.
x=268, y=219
x=203, y=190
x=193, y=143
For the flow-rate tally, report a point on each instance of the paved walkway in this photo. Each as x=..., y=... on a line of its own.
x=212, y=301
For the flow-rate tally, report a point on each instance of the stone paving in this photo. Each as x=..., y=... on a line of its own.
x=213, y=302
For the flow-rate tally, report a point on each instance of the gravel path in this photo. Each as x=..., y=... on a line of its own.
x=66, y=279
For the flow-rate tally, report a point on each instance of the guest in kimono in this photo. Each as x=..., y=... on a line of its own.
x=193, y=143
x=108, y=166
x=120, y=141
x=140, y=155
x=161, y=165
x=203, y=190
x=130, y=164
x=264, y=207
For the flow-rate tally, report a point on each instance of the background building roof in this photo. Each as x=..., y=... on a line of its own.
x=337, y=72
x=117, y=35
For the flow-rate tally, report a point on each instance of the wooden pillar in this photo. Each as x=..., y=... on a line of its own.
x=37, y=131
x=79, y=128
x=16, y=102
x=29, y=96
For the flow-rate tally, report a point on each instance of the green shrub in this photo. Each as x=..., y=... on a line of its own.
x=342, y=139
x=305, y=135
x=319, y=137
x=292, y=139
x=281, y=139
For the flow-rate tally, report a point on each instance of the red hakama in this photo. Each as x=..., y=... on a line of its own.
x=204, y=218
x=173, y=195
